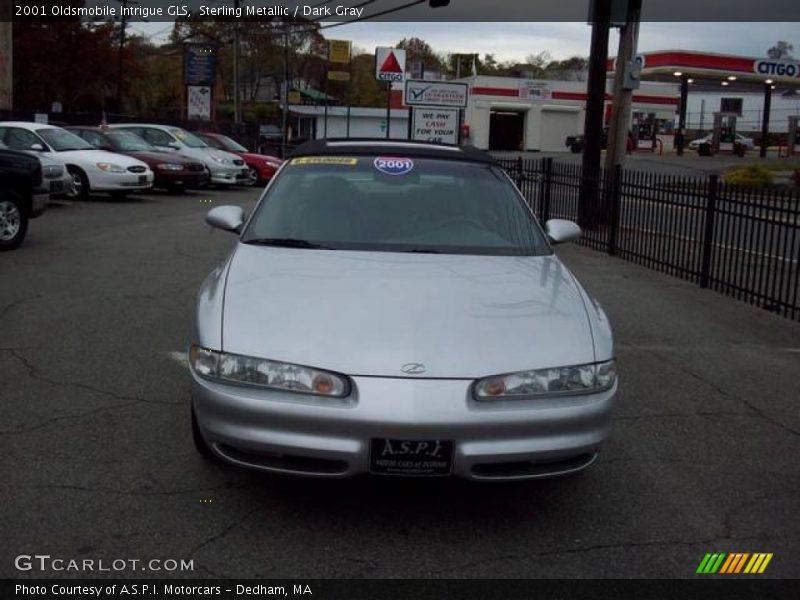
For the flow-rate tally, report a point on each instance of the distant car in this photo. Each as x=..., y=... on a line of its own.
x=224, y=168
x=172, y=172
x=91, y=170
x=745, y=141
x=22, y=195
x=575, y=142
x=396, y=308
x=262, y=167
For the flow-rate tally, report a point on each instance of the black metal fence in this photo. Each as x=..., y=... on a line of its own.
x=743, y=242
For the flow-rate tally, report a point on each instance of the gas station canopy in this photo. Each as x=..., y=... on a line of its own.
x=707, y=67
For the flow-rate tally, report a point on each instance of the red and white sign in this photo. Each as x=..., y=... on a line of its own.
x=390, y=64
x=199, y=102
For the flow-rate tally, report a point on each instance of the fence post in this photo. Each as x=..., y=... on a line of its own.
x=544, y=190
x=616, y=193
x=708, y=236
x=519, y=174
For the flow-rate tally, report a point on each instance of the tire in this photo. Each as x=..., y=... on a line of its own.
x=254, y=178
x=200, y=443
x=80, y=183
x=13, y=220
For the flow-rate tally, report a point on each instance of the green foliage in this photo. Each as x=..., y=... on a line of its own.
x=749, y=176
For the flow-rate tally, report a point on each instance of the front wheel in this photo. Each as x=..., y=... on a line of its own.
x=252, y=178
x=80, y=183
x=13, y=221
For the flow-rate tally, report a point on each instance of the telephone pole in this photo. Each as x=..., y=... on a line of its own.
x=6, y=58
x=237, y=43
x=625, y=81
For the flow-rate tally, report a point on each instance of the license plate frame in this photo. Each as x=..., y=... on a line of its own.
x=414, y=458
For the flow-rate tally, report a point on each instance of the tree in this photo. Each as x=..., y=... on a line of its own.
x=781, y=51
x=419, y=50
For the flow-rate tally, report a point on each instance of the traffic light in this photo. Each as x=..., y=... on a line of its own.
x=438, y=3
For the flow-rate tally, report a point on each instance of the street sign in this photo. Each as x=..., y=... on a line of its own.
x=339, y=51
x=199, y=64
x=435, y=125
x=390, y=64
x=199, y=102
x=436, y=93
x=338, y=75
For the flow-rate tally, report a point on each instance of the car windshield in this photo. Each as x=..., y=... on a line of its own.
x=392, y=204
x=127, y=141
x=231, y=145
x=62, y=140
x=189, y=139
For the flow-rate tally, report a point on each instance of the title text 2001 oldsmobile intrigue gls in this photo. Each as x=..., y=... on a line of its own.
x=395, y=308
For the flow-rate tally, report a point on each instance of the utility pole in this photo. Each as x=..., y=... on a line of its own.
x=237, y=99
x=595, y=103
x=625, y=81
x=123, y=30
x=6, y=58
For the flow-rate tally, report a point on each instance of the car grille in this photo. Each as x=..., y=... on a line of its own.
x=137, y=169
x=238, y=162
x=195, y=167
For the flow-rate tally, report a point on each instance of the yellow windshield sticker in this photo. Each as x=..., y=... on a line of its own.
x=325, y=160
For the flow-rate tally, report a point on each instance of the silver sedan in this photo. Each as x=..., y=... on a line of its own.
x=396, y=309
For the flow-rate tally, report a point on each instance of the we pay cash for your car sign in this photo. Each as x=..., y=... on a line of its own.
x=436, y=125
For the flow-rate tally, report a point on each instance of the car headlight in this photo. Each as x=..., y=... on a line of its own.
x=220, y=160
x=169, y=167
x=542, y=382
x=110, y=168
x=267, y=373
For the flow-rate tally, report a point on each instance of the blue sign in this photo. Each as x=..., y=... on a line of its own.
x=200, y=64
x=392, y=165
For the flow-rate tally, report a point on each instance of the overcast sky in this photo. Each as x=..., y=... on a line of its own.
x=514, y=41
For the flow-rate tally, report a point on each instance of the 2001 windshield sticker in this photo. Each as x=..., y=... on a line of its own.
x=393, y=165
x=325, y=160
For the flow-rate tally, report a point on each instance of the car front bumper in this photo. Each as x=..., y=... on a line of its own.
x=224, y=175
x=181, y=179
x=306, y=435
x=112, y=182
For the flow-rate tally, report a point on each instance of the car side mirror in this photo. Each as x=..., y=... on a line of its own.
x=227, y=218
x=37, y=147
x=562, y=230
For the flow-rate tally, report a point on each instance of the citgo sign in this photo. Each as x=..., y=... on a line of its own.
x=774, y=68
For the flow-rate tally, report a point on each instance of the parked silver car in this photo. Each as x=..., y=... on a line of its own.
x=395, y=308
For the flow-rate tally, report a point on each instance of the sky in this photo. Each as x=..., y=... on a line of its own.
x=515, y=41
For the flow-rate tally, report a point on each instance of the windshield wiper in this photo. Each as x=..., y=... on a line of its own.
x=287, y=243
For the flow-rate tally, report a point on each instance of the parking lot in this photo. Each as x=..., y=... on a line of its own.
x=97, y=457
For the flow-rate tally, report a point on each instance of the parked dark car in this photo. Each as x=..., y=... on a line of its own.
x=23, y=195
x=172, y=172
x=575, y=142
x=262, y=167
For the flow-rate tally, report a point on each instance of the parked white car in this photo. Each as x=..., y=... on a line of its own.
x=225, y=168
x=91, y=170
x=741, y=139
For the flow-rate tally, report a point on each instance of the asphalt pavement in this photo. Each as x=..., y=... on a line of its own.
x=96, y=458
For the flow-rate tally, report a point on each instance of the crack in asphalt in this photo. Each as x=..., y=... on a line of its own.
x=755, y=409
x=9, y=307
x=34, y=374
x=227, y=530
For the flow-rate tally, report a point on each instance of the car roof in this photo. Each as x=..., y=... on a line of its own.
x=28, y=125
x=351, y=146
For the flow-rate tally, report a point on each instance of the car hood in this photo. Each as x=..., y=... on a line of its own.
x=370, y=313
x=92, y=157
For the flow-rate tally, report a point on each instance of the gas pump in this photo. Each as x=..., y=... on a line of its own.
x=645, y=128
x=724, y=134
x=794, y=135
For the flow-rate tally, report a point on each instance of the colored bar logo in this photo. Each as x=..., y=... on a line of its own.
x=734, y=563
